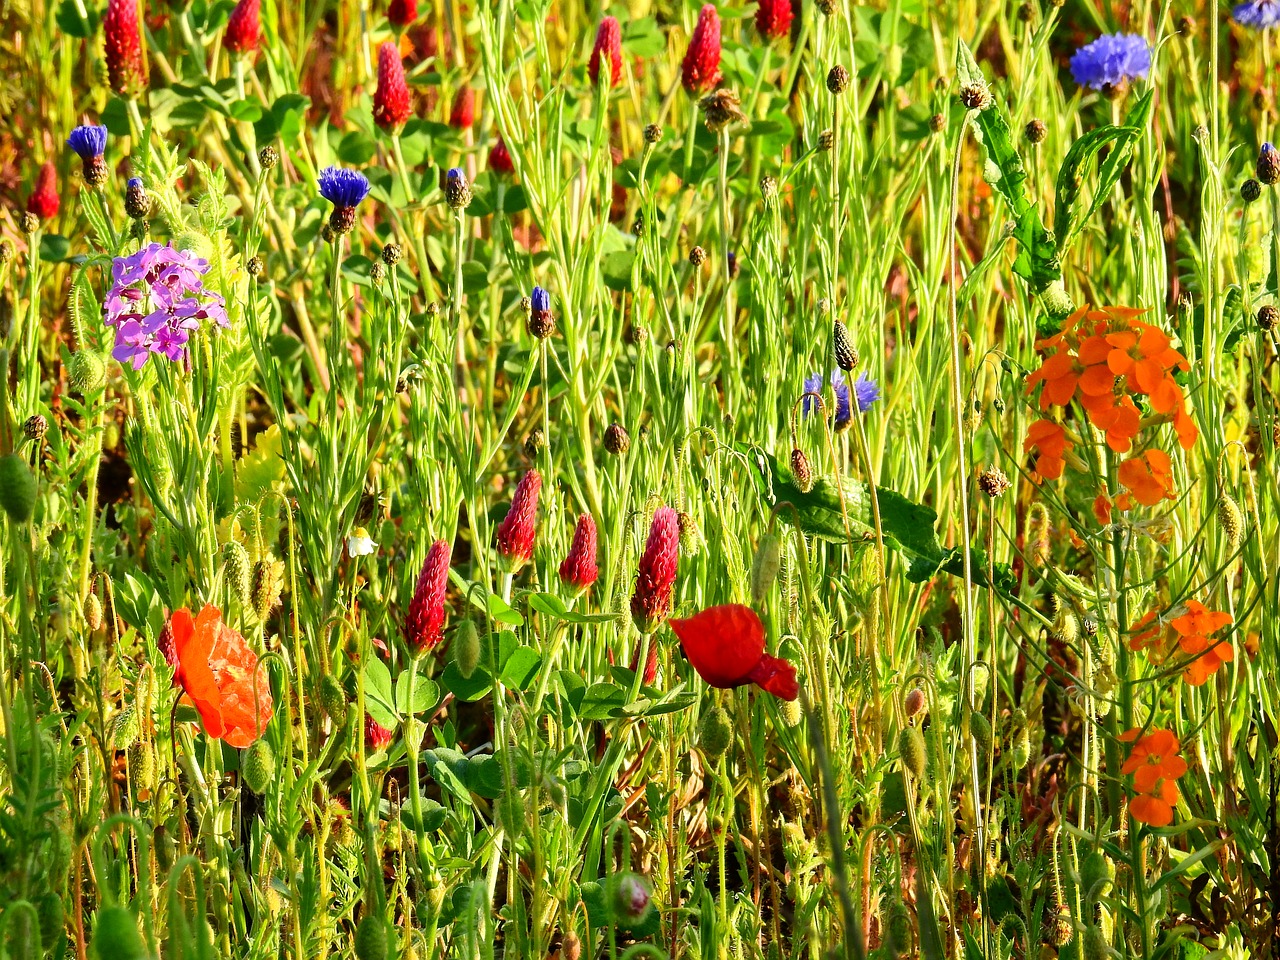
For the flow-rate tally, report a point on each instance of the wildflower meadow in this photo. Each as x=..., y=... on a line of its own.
x=642, y=480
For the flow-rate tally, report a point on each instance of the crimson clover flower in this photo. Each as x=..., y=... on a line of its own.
x=156, y=301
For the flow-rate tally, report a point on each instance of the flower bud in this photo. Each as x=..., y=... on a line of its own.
x=36, y=426
x=17, y=488
x=765, y=566
x=371, y=938
x=631, y=900
x=716, y=732
x=912, y=750
x=466, y=648
x=616, y=439
x=259, y=766
x=801, y=472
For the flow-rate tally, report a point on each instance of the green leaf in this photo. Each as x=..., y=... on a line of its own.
x=250, y=110
x=466, y=689
x=552, y=606
x=602, y=701
x=70, y=22
x=521, y=667
x=378, y=698
x=54, y=248
x=1070, y=213
x=433, y=815
x=616, y=270
x=423, y=696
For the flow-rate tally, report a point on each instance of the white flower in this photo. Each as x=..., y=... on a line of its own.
x=359, y=544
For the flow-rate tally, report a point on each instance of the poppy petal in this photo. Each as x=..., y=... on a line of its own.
x=776, y=676
x=724, y=644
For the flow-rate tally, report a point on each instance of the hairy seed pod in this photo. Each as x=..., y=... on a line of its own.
x=911, y=749
x=116, y=936
x=980, y=727
x=716, y=732
x=125, y=730
x=915, y=703
x=765, y=566
x=371, y=938
x=17, y=488
x=259, y=766
x=897, y=937
x=93, y=612
x=790, y=712
x=1093, y=945
x=142, y=764
x=466, y=648
x=801, y=471
x=1037, y=534
x=266, y=584
x=333, y=699
x=235, y=565
x=1231, y=520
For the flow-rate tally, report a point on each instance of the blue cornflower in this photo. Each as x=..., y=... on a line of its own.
x=867, y=392
x=1258, y=14
x=88, y=141
x=540, y=301
x=813, y=384
x=1111, y=60
x=342, y=187
x=541, y=324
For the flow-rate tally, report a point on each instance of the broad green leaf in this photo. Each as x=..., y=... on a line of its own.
x=602, y=701
x=423, y=696
x=521, y=667
x=378, y=697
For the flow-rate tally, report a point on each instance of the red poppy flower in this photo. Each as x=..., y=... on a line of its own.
x=220, y=676
x=725, y=644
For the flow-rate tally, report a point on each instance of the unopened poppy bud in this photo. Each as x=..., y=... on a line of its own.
x=765, y=566
x=466, y=648
x=235, y=566
x=571, y=947
x=631, y=900
x=690, y=537
x=846, y=354
x=17, y=488
x=1097, y=874
x=124, y=733
x=1035, y=131
x=801, y=472
x=264, y=593
x=371, y=938
x=93, y=612
x=1250, y=190
x=1093, y=945
x=1037, y=534
x=510, y=813
x=333, y=699
x=898, y=929
x=616, y=439
x=1021, y=746
x=980, y=727
x=716, y=732
x=914, y=703
x=791, y=713
x=837, y=80
x=912, y=750
x=259, y=766
x=1230, y=520
x=142, y=766
x=116, y=936
x=36, y=426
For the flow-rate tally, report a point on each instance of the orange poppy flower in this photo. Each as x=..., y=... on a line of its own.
x=1051, y=440
x=1155, y=764
x=1102, y=509
x=1194, y=629
x=219, y=675
x=1147, y=477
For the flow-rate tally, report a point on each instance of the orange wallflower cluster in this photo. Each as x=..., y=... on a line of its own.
x=220, y=676
x=1155, y=765
x=1192, y=631
x=1103, y=359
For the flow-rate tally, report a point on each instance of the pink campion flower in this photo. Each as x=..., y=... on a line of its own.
x=126, y=71
x=156, y=301
x=500, y=159
x=579, y=569
x=516, y=532
x=244, y=28
x=463, y=114
x=375, y=734
x=773, y=18
x=608, y=44
x=401, y=13
x=700, y=70
x=391, y=102
x=651, y=599
x=424, y=627
x=44, y=200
